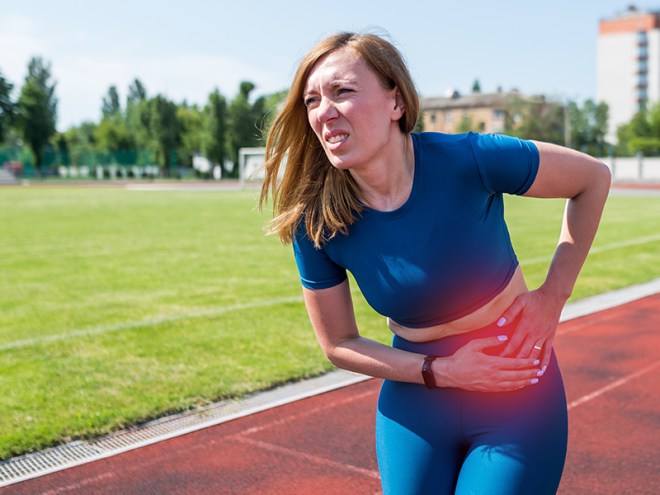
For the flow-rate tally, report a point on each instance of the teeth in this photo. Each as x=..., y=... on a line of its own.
x=337, y=138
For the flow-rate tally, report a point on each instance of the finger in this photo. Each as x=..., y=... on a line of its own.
x=481, y=344
x=546, y=354
x=536, y=350
x=511, y=313
x=517, y=339
x=508, y=385
x=516, y=364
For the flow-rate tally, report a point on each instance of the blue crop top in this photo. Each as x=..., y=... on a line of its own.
x=446, y=251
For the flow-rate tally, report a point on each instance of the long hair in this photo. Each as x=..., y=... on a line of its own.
x=312, y=189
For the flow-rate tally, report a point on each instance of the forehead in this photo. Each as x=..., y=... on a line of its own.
x=340, y=65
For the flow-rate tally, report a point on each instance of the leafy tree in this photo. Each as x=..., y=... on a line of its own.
x=112, y=136
x=215, y=145
x=641, y=134
x=588, y=126
x=245, y=122
x=111, y=105
x=476, y=87
x=136, y=93
x=37, y=109
x=464, y=125
x=191, y=129
x=7, y=107
x=62, y=147
x=165, y=130
x=540, y=119
x=81, y=142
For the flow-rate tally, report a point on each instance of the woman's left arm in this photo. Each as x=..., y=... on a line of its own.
x=585, y=181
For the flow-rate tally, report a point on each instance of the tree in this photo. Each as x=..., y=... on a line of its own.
x=111, y=103
x=215, y=145
x=164, y=127
x=476, y=87
x=191, y=127
x=641, y=134
x=136, y=93
x=7, y=107
x=245, y=122
x=535, y=118
x=37, y=109
x=588, y=126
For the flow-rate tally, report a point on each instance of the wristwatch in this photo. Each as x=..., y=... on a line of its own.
x=427, y=374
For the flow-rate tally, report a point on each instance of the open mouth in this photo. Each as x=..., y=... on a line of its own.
x=337, y=138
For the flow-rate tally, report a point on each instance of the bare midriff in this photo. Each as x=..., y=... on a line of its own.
x=485, y=315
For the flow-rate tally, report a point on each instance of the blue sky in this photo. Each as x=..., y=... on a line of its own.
x=185, y=49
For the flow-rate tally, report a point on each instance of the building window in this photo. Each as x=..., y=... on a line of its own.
x=498, y=114
x=482, y=126
x=517, y=118
x=433, y=119
x=466, y=115
x=448, y=118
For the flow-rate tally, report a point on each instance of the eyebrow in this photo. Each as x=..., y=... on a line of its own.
x=334, y=84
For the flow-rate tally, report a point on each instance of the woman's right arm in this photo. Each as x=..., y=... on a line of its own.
x=332, y=316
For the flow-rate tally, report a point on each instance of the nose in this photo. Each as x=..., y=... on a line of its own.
x=326, y=111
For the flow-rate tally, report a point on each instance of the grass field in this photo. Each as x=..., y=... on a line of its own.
x=121, y=306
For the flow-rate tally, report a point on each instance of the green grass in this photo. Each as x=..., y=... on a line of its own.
x=184, y=301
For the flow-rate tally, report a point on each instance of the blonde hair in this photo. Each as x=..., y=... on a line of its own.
x=326, y=198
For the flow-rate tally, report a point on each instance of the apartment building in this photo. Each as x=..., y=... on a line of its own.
x=485, y=111
x=628, y=77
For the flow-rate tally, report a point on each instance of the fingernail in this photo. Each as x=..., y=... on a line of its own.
x=537, y=362
x=535, y=381
x=522, y=387
x=502, y=338
x=540, y=373
x=501, y=322
x=544, y=368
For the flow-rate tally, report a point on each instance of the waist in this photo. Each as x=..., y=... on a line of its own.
x=476, y=320
x=447, y=346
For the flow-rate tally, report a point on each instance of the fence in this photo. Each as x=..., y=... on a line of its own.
x=87, y=164
x=634, y=169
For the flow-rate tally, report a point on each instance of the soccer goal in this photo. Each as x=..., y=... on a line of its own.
x=251, y=166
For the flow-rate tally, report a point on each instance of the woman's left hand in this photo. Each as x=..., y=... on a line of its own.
x=538, y=312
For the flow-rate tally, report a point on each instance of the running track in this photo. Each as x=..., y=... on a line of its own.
x=325, y=444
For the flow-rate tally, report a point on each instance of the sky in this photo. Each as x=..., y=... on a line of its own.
x=184, y=50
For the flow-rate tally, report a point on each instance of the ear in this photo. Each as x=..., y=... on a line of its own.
x=399, y=106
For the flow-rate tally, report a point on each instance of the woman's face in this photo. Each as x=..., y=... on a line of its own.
x=350, y=111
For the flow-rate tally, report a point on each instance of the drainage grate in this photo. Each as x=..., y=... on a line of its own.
x=75, y=453
x=80, y=452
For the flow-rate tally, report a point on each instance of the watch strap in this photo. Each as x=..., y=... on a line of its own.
x=427, y=373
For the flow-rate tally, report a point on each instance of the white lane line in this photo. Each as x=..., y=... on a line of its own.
x=599, y=249
x=309, y=412
x=309, y=457
x=153, y=321
x=80, y=484
x=613, y=385
x=149, y=322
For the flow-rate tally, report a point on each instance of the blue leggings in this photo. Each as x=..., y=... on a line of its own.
x=452, y=441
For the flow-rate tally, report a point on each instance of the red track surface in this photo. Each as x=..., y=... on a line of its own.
x=325, y=444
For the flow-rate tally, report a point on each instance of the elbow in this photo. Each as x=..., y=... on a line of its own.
x=605, y=175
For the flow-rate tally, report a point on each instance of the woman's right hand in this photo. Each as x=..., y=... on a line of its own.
x=471, y=369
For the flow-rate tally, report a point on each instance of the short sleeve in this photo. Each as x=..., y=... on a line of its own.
x=317, y=270
x=506, y=164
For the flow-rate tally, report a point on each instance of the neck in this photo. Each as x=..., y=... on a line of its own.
x=386, y=182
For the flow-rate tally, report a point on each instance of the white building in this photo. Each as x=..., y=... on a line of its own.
x=628, y=65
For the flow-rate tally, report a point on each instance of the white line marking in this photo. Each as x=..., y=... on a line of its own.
x=153, y=321
x=80, y=484
x=598, y=249
x=314, y=410
x=611, y=386
x=149, y=322
x=309, y=457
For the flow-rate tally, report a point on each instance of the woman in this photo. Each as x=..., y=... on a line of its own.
x=472, y=400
